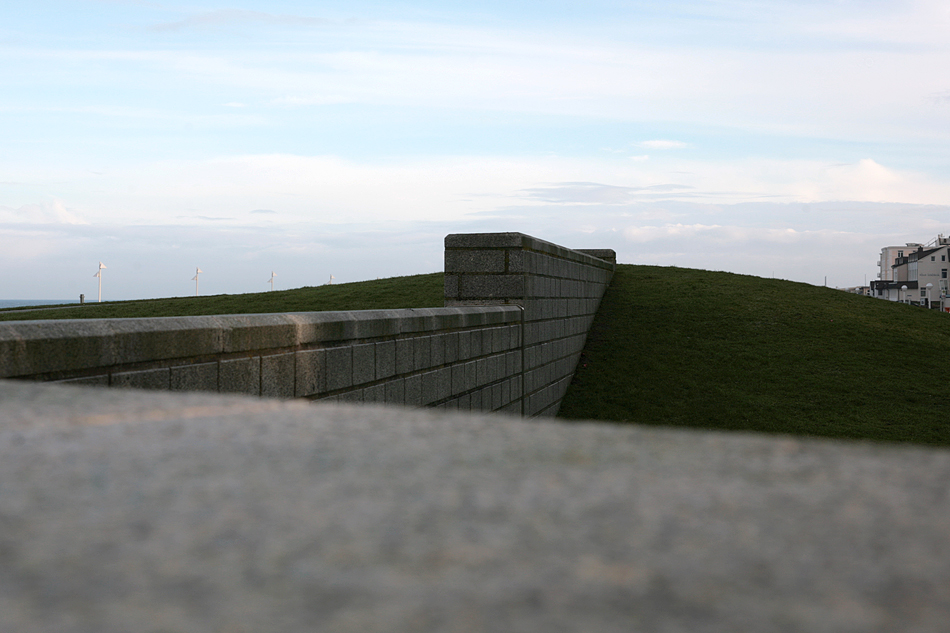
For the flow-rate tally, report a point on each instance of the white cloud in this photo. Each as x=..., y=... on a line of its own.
x=829, y=92
x=51, y=212
x=330, y=189
x=601, y=194
x=737, y=237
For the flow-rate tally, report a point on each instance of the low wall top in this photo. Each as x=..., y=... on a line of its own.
x=192, y=512
x=527, y=242
x=33, y=347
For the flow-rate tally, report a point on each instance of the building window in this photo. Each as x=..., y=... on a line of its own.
x=923, y=293
x=933, y=258
x=900, y=253
x=943, y=273
x=943, y=258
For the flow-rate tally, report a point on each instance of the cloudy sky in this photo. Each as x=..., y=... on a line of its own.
x=776, y=138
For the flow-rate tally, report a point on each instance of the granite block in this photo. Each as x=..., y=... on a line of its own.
x=396, y=391
x=277, y=375
x=516, y=261
x=156, y=379
x=240, y=375
x=422, y=351
x=436, y=385
x=475, y=343
x=405, y=357
x=479, y=261
x=451, y=286
x=413, y=389
x=310, y=372
x=451, y=347
x=465, y=345
x=485, y=240
x=437, y=350
x=36, y=347
x=470, y=374
x=491, y=286
x=353, y=395
x=339, y=367
x=376, y=393
x=198, y=377
x=364, y=363
x=458, y=379
x=487, y=341
x=252, y=332
x=385, y=359
x=482, y=373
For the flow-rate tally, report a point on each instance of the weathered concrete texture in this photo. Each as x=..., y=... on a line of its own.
x=45, y=349
x=558, y=288
x=143, y=511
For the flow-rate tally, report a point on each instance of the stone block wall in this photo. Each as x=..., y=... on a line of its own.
x=507, y=340
x=558, y=288
x=468, y=358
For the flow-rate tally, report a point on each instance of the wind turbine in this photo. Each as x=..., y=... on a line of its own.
x=271, y=280
x=330, y=283
x=198, y=271
x=99, y=275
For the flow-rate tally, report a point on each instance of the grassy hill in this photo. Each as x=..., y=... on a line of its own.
x=417, y=291
x=712, y=350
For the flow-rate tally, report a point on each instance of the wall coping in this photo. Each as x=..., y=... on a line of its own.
x=48, y=346
x=484, y=241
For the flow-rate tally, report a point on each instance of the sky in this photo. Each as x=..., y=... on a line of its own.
x=789, y=139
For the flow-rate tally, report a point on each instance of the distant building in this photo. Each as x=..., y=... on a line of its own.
x=915, y=274
x=889, y=256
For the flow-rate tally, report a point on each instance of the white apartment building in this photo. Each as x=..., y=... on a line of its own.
x=918, y=274
x=889, y=255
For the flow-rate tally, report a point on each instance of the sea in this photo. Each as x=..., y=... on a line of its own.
x=17, y=303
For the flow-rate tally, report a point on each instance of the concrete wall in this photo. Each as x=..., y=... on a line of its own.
x=152, y=511
x=508, y=340
x=457, y=357
x=559, y=288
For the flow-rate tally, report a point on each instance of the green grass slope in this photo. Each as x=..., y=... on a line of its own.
x=417, y=291
x=712, y=350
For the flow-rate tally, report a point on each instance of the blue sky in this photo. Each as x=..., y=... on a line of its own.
x=791, y=139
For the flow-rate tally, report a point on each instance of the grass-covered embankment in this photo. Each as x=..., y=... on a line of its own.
x=417, y=291
x=714, y=350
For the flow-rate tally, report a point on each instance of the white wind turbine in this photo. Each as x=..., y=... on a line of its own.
x=198, y=271
x=330, y=283
x=271, y=280
x=99, y=275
